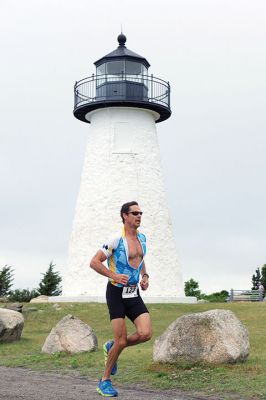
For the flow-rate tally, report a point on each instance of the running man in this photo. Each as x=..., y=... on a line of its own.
x=125, y=254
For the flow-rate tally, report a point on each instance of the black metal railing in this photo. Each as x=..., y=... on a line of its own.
x=125, y=88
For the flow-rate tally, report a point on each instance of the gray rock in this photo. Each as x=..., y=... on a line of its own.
x=3, y=300
x=215, y=336
x=15, y=307
x=71, y=335
x=11, y=325
x=56, y=306
x=40, y=299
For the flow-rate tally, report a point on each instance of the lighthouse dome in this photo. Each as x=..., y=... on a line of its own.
x=122, y=80
x=123, y=53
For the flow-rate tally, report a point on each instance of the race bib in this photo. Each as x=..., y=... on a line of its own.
x=129, y=292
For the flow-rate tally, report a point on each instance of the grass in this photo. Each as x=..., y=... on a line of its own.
x=246, y=380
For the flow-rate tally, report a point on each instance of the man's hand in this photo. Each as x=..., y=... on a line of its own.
x=144, y=283
x=121, y=278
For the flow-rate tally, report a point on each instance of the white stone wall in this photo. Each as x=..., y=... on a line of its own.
x=122, y=164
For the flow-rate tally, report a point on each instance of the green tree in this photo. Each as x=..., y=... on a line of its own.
x=50, y=283
x=256, y=278
x=263, y=275
x=6, y=279
x=192, y=288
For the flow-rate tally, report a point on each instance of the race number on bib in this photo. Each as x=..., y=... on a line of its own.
x=130, y=291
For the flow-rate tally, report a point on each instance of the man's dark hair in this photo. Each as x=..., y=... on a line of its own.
x=125, y=208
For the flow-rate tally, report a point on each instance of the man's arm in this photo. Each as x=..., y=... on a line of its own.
x=98, y=266
x=144, y=283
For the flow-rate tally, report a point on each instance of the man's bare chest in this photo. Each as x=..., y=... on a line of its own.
x=134, y=249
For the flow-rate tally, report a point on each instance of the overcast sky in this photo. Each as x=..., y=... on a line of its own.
x=212, y=148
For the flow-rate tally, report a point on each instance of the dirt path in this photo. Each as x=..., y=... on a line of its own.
x=24, y=384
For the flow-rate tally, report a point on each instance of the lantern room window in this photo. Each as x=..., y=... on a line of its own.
x=101, y=70
x=121, y=67
x=133, y=68
x=115, y=67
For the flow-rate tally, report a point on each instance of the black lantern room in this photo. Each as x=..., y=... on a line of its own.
x=122, y=80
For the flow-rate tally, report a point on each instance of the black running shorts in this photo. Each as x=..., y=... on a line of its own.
x=119, y=307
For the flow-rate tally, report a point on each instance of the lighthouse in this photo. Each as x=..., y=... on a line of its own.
x=122, y=103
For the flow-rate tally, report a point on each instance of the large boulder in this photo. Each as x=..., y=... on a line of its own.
x=71, y=335
x=215, y=336
x=40, y=299
x=11, y=325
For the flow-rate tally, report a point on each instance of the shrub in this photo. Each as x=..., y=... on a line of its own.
x=217, y=297
x=22, y=295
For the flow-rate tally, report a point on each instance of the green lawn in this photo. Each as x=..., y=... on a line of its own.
x=135, y=363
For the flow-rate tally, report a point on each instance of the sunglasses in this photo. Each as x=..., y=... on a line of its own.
x=135, y=213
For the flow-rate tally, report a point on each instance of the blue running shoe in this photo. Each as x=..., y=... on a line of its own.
x=106, y=389
x=106, y=348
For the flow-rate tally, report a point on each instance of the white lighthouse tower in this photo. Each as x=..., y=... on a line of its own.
x=122, y=103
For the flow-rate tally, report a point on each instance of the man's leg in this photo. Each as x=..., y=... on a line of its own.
x=120, y=342
x=143, y=330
